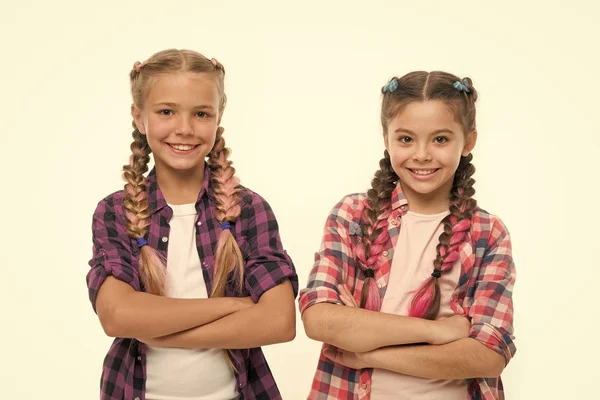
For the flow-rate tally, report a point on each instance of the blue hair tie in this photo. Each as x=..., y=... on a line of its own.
x=225, y=225
x=390, y=87
x=461, y=87
x=141, y=242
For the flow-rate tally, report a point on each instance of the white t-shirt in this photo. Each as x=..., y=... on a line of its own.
x=183, y=374
x=413, y=264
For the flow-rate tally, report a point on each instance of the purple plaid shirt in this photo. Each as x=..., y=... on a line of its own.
x=115, y=254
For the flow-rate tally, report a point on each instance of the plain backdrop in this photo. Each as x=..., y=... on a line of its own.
x=303, y=81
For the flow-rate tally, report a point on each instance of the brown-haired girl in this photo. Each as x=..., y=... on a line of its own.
x=411, y=292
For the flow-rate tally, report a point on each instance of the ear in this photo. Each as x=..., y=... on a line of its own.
x=469, y=143
x=137, y=118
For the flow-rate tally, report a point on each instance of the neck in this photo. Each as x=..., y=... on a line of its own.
x=429, y=203
x=180, y=187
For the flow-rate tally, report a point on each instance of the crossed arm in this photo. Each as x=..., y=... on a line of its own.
x=455, y=348
x=197, y=323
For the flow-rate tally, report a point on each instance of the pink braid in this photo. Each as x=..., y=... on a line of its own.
x=426, y=302
x=374, y=221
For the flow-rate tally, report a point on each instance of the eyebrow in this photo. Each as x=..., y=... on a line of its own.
x=436, y=132
x=175, y=105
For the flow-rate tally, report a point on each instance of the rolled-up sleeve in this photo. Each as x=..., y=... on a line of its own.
x=331, y=261
x=492, y=310
x=267, y=263
x=112, y=250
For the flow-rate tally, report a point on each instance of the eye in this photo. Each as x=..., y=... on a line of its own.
x=165, y=112
x=441, y=139
x=405, y=139
x=202, y=114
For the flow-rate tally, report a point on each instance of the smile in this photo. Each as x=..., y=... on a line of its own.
x=182, y=147
x=423, y=172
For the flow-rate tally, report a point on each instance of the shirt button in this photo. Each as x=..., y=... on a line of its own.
x=403, y=207
x=137, y=398
x=364, y=385
x=379, y=285
x=394, y=222
x=165, y=239
x=199, y=223
x=385, y=253
x=139, y=358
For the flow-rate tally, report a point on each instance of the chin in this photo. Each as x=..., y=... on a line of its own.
x=186, y=166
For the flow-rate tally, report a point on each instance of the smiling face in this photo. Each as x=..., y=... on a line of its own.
x=425, y=143
x=179, y=117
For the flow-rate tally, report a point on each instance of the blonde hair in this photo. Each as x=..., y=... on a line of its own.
x=152, y=266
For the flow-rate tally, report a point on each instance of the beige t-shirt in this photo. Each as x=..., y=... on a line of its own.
x=412, y=264
x=183, y=374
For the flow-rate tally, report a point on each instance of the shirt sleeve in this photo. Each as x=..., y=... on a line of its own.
x=492, y=310
x=267, y=263
x=332, y=259
x=111, y=251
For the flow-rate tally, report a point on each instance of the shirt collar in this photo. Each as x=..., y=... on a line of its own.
x=157, y=200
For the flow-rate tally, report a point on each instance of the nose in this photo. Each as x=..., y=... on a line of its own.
x=184, y=126
x=422, y=153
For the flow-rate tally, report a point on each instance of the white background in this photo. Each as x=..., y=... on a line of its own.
x=303, y=83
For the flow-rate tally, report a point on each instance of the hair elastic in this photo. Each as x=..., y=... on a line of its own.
x=369, y=273
x=436, y=273
x=390, y=87
x=461, y=87
x=141, y=242
x=225, y=225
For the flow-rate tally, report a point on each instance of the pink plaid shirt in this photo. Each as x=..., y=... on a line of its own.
x=484, y=291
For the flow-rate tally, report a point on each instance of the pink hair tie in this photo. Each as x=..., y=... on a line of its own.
x=139, y=65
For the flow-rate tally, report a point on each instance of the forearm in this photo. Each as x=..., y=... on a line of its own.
x=127, y=313
x=153, y=316
x=359, y=330
x=268, y=322
x=462, y=359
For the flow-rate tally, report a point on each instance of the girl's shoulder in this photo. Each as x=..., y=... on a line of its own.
x=113, y=203
x=487, y=228
x=348, y=210
x=253, y=204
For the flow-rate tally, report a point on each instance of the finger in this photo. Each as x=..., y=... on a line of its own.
x=329, y=353
x=350, y=295
x=335, y=356
x=346, y=301
x=344, y=291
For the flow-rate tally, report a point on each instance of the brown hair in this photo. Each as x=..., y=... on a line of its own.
x=460, y=96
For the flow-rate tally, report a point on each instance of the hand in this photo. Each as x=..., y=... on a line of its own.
x=451, y=329
x=347, y=297
x=346, y=358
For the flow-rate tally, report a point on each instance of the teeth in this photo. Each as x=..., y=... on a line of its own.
x=182, y=147
x=423, y=171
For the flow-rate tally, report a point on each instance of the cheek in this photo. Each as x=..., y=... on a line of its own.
x=157, y=127
x=450, y=158
x=398, y=159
